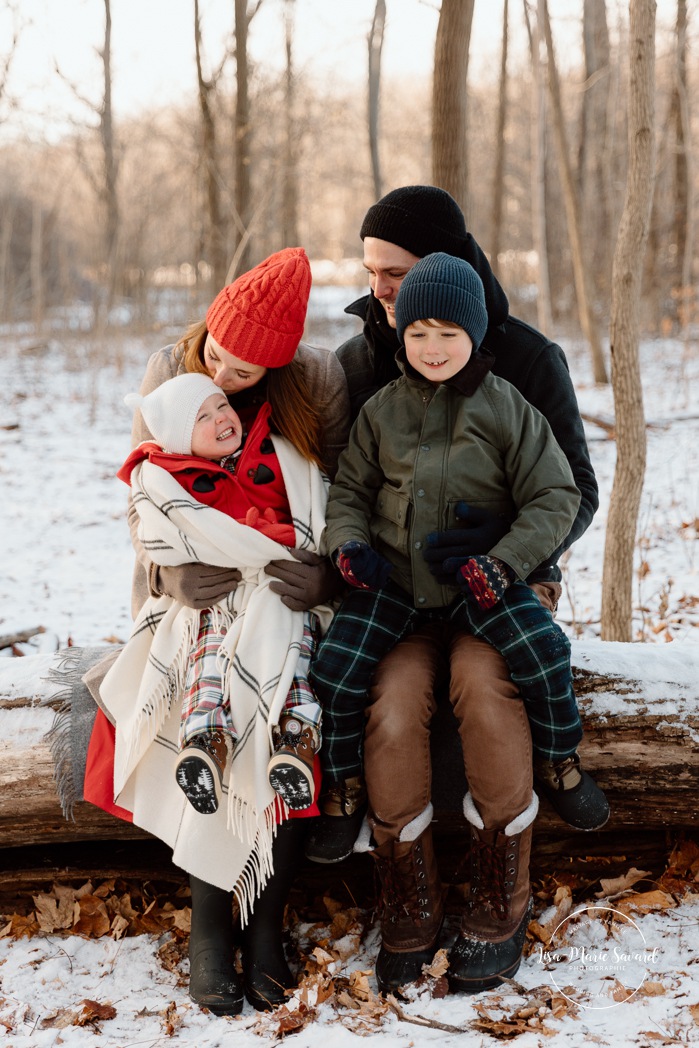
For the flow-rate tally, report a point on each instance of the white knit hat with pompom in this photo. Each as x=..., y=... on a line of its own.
x=171, y=409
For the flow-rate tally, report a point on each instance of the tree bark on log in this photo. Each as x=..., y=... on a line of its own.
x=639, y=705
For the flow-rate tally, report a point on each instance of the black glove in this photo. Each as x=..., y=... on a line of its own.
x=195, y=585
x=362, y=566
x=304, y=582
x=448, y=550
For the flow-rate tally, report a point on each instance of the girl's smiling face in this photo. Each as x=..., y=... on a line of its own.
x=217, y=430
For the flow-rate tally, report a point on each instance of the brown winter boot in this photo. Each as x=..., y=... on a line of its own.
x=412, y=905
x=493, y=929
x=290, y=769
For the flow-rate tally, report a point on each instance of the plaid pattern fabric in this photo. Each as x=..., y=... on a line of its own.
x=203, y=708
x=537, y=653
x=370, y=623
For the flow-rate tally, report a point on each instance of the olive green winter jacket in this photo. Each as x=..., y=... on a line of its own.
x=417, y=448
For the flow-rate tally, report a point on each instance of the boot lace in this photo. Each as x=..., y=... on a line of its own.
x=404, y=888
x=493, y=873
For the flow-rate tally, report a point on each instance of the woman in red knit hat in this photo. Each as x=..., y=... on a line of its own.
x=250, y=345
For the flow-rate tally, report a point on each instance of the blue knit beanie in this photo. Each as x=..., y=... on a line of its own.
x=441, y=287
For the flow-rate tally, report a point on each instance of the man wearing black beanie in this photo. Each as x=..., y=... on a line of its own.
x=404, y=226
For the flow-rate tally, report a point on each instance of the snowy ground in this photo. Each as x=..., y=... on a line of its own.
x=66, y=566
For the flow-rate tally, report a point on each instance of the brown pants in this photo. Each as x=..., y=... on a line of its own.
x=493, y=727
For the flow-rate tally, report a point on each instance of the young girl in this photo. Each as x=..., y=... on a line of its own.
x=199, y=441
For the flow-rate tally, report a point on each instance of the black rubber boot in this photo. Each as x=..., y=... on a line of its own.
x=213, y=981
x=265, y=972
x=572, y=792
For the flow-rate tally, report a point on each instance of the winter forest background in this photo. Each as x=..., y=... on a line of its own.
x=150, y=152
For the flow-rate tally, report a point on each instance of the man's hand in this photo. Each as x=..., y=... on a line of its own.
x=195, y=585
x=306, y=581
x=446, y=551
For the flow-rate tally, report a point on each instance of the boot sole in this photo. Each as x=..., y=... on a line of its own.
x=198, y=779
x=292, y=782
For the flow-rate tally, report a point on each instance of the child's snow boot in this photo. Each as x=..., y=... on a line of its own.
x=343, y=806
x=199, y=771
x=290, y=769
x=572, y=792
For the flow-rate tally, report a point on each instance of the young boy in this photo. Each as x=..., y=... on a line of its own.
x=447, y=438
x=199, y=439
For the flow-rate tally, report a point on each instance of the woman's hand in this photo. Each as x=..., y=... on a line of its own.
x=195, y=585
x=306, y=581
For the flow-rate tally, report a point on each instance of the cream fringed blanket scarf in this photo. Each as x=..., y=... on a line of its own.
x=143, y=690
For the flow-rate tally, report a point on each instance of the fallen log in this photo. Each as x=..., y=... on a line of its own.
x=639, y=704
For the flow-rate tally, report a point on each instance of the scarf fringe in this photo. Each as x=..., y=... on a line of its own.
x=258, y=868
x=157, y=704
x=66, y=674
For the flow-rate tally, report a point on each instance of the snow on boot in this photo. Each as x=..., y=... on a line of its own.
x=572, y=792
x=332, y=835
x=214, y=982
x=199, y=771
x=493, y=928
x=412, y=910
x=290, y=769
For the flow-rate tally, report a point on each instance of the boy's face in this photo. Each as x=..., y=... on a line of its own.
x=217, y=431
x=437, y=349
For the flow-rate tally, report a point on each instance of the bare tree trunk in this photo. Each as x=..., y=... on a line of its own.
x=572, y=206
x=624, y=334
x=499, y=174
x=243, y=144
x=684, y=202
x=375, y=46
x=109, y=189
x=593, y=163
x=36, y=267
x=450, y=98
x=215, y=239
x=544, y=313
x=290, y=193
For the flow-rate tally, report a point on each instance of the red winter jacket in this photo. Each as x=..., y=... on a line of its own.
x=254, y=495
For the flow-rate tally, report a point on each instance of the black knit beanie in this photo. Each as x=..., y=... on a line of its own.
x=426, y=219
x=441, y=287
x=420, y=219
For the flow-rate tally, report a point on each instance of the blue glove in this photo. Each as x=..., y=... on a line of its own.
x=447, y=550
x=362, y=566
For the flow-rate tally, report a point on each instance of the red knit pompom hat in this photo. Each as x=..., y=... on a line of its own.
x=259, y=318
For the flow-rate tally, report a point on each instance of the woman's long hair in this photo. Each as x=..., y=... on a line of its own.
x=293, y=414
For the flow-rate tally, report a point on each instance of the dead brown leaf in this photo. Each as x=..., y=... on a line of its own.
x=614, y=885
x=94, y=919
x=694, y=1012
x=438, y=965
x=563, y=902
x=646, y=902
x=171, y=1019
x=621, y=993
